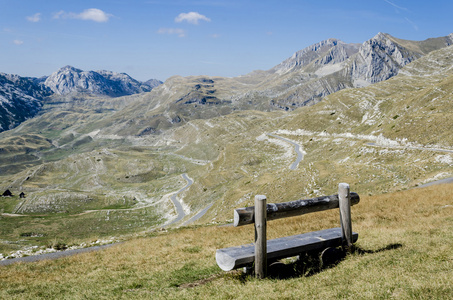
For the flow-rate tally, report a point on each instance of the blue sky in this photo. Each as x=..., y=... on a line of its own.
x=161, y=38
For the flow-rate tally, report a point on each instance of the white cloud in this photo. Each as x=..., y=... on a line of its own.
x=18, y=42
x=191, y=17
x=35, y=18
x=60, y=15
x=94, y=14
x=91, y=14
x=180, y=32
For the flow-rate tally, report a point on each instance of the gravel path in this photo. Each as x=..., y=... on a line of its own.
x=53, y=255
x=442, y=181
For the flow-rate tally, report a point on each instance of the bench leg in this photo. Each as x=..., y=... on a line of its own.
x=345, y=215
x=260, y=236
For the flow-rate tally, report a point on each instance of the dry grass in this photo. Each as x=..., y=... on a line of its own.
x=405, y=252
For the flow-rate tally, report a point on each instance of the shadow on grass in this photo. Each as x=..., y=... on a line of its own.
x=311, y=263
x=305, y=265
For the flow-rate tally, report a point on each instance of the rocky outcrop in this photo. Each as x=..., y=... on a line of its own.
x=71, y=80
x=20, y=99
x=383, y=56
x=305, y=56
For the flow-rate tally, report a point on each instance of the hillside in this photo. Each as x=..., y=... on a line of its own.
x=404, y=251
x=97, y=167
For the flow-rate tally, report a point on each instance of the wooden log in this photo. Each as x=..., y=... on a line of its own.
x=345, y=215
x=244, y=216
x=260, y=237
x=240, y=256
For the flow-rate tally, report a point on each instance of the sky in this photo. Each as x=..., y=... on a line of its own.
x=161, y=38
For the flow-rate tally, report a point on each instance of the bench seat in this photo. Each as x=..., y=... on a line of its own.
x=240, y=256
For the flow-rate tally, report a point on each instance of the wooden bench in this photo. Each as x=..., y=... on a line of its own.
x=263, y=249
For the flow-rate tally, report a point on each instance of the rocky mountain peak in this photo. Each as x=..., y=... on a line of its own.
x=381, y=36
x=381, y=58
x=71, y=80
x=69, y=68
x=305, y=56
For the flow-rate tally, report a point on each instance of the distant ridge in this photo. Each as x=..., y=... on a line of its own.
x=303, y=79
x=21, y=98
x=71, y=80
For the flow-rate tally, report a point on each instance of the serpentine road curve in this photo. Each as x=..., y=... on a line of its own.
x=300, y=154
x=178, y=206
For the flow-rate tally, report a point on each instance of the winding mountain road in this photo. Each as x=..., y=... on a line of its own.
x=300, y=154
x=198, y=215
x=178, y=206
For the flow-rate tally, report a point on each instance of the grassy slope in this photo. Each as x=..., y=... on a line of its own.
x=237, y=159
x=405, y=252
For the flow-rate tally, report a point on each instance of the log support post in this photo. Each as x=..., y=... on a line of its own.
x=345, y=215
x=260, y=236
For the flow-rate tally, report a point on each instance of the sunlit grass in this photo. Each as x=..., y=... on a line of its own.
x=404, y=252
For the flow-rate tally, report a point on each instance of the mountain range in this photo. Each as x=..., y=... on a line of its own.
x=376, y=115
x=302, y=79
x=22, y=97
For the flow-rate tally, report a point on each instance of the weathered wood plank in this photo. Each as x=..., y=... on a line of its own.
x=244, y=216
x=236, y=257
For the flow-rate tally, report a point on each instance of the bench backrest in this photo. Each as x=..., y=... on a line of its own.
x=246, y=215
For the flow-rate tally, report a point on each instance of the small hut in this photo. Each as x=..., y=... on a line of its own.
x=22, y=195
x=7, y=193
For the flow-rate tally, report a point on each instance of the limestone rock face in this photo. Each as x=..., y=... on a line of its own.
x=379, y=59
x=383, y=56
x=312, y=53
x=69, y=80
